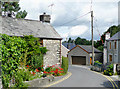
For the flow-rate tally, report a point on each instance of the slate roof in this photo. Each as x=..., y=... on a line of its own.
x=115, y=37
x=20, y=27
x=72, y=45
x=88, y=48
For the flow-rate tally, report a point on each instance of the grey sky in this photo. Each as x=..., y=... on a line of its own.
x=105, y=15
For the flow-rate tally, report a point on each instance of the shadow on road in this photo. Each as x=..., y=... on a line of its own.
x=108, y=84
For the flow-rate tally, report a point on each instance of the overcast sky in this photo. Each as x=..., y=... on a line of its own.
x=67, y=16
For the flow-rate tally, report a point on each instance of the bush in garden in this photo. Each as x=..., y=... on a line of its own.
x=19, y=79
x=65, y=64
x=97, y=62
x=19, y=51
x=35, y=52
x=25, y=73
x=109, y=70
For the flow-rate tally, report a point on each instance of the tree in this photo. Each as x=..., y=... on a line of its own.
x=21, y=14
x=112, y=30
x=10, y=8
x=82, y=41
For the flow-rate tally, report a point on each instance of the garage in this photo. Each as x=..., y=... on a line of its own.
x=81, y=54
x=79, y=60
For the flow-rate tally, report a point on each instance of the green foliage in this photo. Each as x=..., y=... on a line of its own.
x=109, y=70
x=19, y=77
x=98, y=44
x=21, y=14
x=53, y=70
x=65, y=64
x=112, y=30
x=18, y=52
x=35, y=52
x=79, y=41
x=48, y=69
x=100, y=48
x=12, y=7
x=25, y=74
x=97, y=62
x=82, y=41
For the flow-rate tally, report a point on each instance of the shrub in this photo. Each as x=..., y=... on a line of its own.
x=25, y=73
x=19, y=79
x=97, y=62
x=19, y=51
x=65, y=64
x=109, y=70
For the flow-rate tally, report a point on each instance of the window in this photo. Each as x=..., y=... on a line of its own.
x=110, y=58
x=41, y=42
x=115, y=45
x=110, y=45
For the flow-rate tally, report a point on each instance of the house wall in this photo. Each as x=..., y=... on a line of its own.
x=78, y=52
x=114, y=52
x=99, y=57
x=64, y=51
x=53, y=56
x=119, y=52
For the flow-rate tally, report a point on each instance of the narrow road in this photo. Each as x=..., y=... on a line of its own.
x=82, y=77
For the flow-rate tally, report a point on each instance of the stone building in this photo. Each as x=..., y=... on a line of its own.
x=42, y=29
x=112, y=49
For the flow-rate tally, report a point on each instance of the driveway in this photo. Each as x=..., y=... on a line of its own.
x=82, y=77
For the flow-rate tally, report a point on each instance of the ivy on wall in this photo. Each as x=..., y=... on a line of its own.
x=19, y=52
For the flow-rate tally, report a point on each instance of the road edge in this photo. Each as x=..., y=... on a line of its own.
x=110, y=79
x=56, y=82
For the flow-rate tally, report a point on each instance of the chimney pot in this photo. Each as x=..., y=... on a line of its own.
x=107, y=36
x=45, y=18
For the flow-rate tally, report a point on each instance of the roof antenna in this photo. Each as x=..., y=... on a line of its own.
x=51, y=5
x=91, y=5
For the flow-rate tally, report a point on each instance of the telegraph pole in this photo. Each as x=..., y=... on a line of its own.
x=92, y=38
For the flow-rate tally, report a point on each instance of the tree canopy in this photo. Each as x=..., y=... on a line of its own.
x=12, y=8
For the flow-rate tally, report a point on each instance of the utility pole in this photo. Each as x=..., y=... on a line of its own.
x=92, y=38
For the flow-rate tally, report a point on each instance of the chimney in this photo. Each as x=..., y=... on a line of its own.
x=107, y=36
x=45, y=18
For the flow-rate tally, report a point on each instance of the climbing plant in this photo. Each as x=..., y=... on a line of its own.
x=18, y=52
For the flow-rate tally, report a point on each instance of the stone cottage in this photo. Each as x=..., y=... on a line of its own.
x=112, y=49
x=81, y=55
x=42, y=29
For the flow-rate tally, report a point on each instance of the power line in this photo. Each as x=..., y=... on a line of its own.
x=74, y=19
x=98, y=30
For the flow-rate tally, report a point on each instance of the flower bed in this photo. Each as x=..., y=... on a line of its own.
x=41, y=71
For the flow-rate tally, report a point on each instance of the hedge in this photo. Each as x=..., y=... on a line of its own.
x=19, y=52
x=65, y=64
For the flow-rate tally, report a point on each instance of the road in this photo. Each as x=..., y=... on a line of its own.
x=82, y=77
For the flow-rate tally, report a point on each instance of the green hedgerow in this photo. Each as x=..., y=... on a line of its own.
x=65, y=64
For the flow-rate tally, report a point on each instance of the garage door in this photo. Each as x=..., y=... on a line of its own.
x=79, y=60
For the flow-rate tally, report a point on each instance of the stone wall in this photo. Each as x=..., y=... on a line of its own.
x=53, y=56
x=114, y=52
